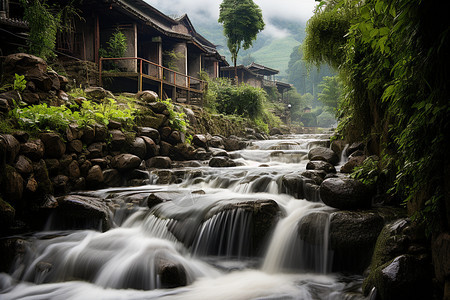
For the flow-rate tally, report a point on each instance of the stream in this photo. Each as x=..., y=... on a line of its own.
x=216, y=233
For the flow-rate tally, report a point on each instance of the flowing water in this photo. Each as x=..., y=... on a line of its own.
x=205, y=229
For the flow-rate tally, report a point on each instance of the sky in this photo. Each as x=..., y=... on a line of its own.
x=284, y=9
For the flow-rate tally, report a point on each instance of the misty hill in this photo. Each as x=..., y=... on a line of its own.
x=272, y=47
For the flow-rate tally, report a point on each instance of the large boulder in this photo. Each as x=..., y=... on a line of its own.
x=352, y=238
x=345, y=193
x=294, y=185
x=20, y=63
x=76, y=211
x=325, y=154
x=124, y=162
x=405, y=277
x=152, y=149
x=54, y=145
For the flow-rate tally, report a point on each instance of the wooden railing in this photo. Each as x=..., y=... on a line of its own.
x=147, y=69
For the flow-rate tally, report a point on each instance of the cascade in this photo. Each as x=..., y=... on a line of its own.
x=230, y=233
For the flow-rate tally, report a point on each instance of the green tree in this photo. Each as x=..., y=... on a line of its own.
x=43, y=24
x=331, y=92
x=242, y=20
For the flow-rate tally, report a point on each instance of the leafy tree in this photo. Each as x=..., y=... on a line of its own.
x=242, y=20
x=43, y=27
x=331, y=92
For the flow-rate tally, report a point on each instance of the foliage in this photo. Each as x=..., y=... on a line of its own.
x=331, y=92
x=177, y=120
x=242, y=20
x=42, y=117
x=394, y=67
x=43, y=26
x=19, y=83
x=368, y=172
x=325, y=119
x=117, y=45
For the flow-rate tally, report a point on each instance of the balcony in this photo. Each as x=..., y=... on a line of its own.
x=133, y=74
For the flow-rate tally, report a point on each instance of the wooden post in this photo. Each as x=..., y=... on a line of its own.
x=97, y=39
x=140, y=75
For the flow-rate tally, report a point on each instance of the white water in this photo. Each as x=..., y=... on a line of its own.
x=211, y=245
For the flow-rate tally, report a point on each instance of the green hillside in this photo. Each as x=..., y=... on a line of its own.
x=276, y=54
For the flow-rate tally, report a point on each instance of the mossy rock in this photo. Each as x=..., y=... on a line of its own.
x=7, y=214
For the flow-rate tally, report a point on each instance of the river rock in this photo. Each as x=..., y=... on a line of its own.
x=296, y=185
x=101, y=133
x=12, y=184
x=126, y=161
x=138, y=147
x=338, y=146
x=405, y=277
x=171, y=274
x=199, y=140
x=83, y=212
x=88, y=135
x=74, y=170
x=96, y=93
x=112, y=178
x=23, y=165
x=34, y=149
x=320, y=165
x=157, y=107
x=352, y=163
x=60, y=184
x=12, y=147
x=201, y=154
x=75, y=146
x=222, y=162
x=147, y=96
x=354, y=147
x=345, y=193
x=216, y=142
x=165, y=132
x=233, y=143
x=96, y=150
x=54, y=145
x=316, y=175
x=118, y=139
x=42, y=177
x=151, y=148
x=150, y=132
x=182, y=152
x=94, y=177
x=275, y=131
x=159, y=162
x=352, y=239
x=325, y=154
x=30, y=98
x=20, y=63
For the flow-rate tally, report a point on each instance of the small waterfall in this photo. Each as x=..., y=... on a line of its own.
x=290, y=251
x=225, y=234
